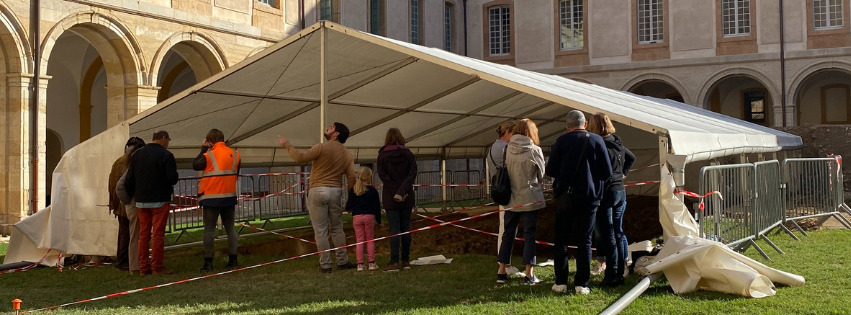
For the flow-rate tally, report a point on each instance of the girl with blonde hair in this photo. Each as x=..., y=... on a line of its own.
x=365, y=207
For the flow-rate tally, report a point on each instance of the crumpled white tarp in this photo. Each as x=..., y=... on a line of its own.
x=78, y=220
x=690, y=262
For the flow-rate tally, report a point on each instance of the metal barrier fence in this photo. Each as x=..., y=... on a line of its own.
x=432, y=194
x=464, y=196
x=187, y=214
x=814, y=188
x=728, y=220
x=762, y=196
x=280, y=195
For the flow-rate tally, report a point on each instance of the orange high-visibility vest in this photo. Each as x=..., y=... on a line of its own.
x=218, y=180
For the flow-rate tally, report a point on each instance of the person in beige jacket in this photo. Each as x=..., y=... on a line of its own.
x=525, y=164
x=330, y=161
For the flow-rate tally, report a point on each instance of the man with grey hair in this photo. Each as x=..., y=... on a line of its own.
x=579, y=162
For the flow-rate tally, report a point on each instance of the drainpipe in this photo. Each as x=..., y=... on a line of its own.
x=782, y=67
x=301, y=12
x=465, y=28
x=35, y=35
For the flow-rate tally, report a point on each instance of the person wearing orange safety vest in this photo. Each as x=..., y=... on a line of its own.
x=219, y=166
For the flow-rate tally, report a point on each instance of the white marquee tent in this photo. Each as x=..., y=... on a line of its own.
x=446, y=105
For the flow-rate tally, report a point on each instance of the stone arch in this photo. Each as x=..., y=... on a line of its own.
x=121, y=53
x=583, y=80
x=712, y=81
x=810, y=70
x=659, y=77
x=256, y=51
x=14, y=47
x=797, y=88
x=190, y=46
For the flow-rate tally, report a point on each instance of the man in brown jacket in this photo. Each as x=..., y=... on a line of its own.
x=330, y=161
x=126, y=258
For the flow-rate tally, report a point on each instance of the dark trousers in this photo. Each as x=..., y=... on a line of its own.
x=211, y=215
x=400, y=221
x=575, y=217
x=122, y=260
x=511, y=219
x=604, y=234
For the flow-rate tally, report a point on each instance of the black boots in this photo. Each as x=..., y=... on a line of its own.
x=208, y=265
x=231, y=262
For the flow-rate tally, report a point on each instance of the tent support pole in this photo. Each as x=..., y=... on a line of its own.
x=443, y=179
x=323, y=103
x=633, y=294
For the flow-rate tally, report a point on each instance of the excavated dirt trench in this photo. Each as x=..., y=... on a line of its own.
x=641, y=223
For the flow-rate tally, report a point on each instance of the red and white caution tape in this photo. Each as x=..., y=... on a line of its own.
x=643, y=167
x=647, y=182
x=433, y=226
x=485, y=232
x=27, y=267
x=277, y=174
x=702, y=197
x=276, y=233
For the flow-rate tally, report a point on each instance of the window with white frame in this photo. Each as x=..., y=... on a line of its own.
x=572, y=34
x=375, y=16
x=499, y=30
x=736, y=17
x=271, y=3
x=448, y=16
x=650, y=21
x=415, y=21
x=827, y=14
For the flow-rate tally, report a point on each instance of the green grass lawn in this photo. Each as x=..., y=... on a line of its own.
x=465, y=286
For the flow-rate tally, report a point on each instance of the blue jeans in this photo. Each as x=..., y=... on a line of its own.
x=577, y=218
x=400, y=221
x=605, y=237
x=611, y=232
x=617, y=222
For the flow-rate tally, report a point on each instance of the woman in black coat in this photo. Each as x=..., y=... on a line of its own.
x=397, y=169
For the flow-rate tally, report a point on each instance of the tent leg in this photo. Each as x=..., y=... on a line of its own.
x=770, y=243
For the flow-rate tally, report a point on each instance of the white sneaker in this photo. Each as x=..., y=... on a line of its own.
x=561, y=288
x=582, y=290
x=373, y=266
x=599, y=268
x=361, y=267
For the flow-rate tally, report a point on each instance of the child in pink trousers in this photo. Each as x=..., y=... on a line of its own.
x=364, y=204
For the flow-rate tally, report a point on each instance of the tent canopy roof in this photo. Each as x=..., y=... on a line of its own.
x=445, y=104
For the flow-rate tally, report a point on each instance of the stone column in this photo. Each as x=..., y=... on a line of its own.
x=791, y=111
x=15, y=159
x=137, y=99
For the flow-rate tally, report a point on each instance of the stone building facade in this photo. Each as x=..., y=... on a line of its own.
x=103, y=61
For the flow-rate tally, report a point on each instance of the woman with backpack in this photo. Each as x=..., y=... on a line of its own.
x=525, y=164
x=612, y=243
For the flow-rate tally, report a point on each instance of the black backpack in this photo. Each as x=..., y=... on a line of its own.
x=500, y=183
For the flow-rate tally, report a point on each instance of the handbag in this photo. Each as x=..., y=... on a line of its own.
x=500, y=182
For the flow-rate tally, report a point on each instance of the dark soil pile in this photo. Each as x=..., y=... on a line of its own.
x=641, y=223
x=823, y=140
